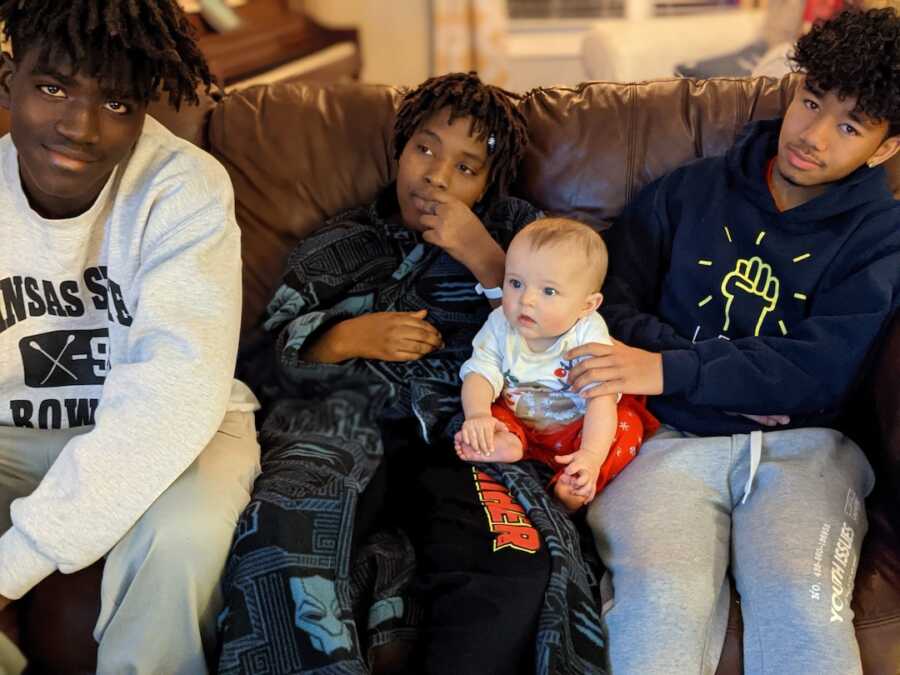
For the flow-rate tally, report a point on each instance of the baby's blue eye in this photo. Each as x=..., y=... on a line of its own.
x=515, y=283
x=549, y=291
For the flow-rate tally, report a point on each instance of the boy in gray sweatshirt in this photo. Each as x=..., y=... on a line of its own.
x=122, y=431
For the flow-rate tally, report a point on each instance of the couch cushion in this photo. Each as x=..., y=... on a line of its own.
x=876, y=596
x=190, y=122
x=594, y=146
x=298, y=154
x=887, y=404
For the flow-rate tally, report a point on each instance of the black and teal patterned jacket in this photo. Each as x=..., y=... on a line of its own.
x=322, y=442
x=363, y=261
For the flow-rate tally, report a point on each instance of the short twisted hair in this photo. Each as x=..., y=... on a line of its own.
x=493, y=112
x=136, y=47
x=857, y=54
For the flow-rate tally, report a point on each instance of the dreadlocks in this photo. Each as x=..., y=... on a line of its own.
x=495, y=120
x=135, y=47
x=857, y=54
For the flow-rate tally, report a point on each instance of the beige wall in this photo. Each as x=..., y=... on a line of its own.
x=395, y=35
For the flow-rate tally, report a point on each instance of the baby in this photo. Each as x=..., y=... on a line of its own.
x=517, y=401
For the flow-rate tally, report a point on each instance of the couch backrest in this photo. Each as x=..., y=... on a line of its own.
x=299, y=153
x=595, y=146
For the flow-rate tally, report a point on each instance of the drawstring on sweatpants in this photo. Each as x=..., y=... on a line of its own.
x=756, y=439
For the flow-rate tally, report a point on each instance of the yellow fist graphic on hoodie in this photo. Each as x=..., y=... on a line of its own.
x=753, y=280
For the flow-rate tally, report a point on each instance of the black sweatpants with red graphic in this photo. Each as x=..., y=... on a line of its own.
x=482, y=567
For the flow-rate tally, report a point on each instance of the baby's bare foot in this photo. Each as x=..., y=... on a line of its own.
x=567, y=497
x=507, y=449
x=465, y=451
x=468, y=453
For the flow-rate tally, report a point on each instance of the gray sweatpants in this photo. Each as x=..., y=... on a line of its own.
x=668, y=525
x=160, y=591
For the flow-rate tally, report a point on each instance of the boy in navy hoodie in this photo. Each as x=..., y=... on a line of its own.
x=751, y=289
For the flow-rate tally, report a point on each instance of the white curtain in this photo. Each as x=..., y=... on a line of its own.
x=471, y=35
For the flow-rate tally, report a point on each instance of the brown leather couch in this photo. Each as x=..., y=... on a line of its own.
x=298, y=153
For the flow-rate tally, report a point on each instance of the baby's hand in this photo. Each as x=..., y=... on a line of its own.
x=582, y=470
x=478, y=433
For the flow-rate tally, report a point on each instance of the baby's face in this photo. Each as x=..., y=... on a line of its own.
x=546, y=290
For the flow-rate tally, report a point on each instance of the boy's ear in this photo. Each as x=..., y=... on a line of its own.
x=7, y=70
x=888, y=148
x=594, y=300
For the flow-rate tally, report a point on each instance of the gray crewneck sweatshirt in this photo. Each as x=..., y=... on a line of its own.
x=125, y=318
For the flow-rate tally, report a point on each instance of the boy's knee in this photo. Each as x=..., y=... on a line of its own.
x=801, y=606
x=654, y=586
x=801, y=633
x=195, y=543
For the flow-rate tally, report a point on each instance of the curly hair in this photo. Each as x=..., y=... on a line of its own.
x=857, y=55
x=135, y=47
x=495, y=120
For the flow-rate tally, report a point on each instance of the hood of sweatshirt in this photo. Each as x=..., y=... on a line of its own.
x=746, y=163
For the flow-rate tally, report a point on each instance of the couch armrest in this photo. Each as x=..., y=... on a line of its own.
x=887, y=406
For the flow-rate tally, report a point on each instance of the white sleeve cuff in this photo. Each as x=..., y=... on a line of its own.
x=22, y=566
x=494, y=293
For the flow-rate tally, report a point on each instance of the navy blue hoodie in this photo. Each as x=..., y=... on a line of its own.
x=754, y=310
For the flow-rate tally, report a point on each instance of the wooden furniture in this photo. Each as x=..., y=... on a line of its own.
x=275, y=42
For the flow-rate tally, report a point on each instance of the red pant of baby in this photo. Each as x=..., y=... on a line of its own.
x=635, y=424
